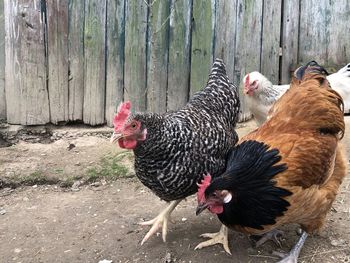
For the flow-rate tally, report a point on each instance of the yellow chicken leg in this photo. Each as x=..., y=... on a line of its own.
x=220, y=237
x=160, y=221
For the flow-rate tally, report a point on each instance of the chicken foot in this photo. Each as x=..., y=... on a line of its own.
x=274, y=235
x=220, y=237
x=160, y=221
x=292, y=256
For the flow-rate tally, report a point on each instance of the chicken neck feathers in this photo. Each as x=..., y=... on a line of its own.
x=249, y=177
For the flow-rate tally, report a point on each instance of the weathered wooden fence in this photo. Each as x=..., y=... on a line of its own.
x=72, y=60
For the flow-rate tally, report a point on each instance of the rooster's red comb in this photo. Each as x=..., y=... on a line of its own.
x=202, y=186
x=122, y=115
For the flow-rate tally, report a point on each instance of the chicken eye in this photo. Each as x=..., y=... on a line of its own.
x=133, y=125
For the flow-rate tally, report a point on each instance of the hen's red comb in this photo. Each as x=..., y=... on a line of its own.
x=202, y=186
x=122, y=115
x=247, y=80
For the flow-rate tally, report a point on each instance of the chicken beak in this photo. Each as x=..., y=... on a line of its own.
x=115, y=137
x=201, y=208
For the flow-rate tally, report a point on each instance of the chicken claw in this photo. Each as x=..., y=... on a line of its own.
x=160, y=221
x=220, y=237
x=292, y=256
x=274, y=235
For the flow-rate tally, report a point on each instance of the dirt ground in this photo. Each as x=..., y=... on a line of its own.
x=82, y=204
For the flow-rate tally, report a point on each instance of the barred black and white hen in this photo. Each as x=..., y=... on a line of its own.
x=175, y=149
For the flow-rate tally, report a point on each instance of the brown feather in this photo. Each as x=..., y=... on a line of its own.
x=305, y=125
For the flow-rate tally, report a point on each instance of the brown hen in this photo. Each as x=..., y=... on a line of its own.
x=288, y=170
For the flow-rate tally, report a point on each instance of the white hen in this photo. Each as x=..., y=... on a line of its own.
x=262, y=94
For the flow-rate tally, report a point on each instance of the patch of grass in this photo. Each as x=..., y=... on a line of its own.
x=37, y=177
x=110, y=168
x=58, y=171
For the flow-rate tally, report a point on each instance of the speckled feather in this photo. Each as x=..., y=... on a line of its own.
x=183, y=145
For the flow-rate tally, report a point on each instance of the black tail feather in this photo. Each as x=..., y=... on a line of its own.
x=312, y=66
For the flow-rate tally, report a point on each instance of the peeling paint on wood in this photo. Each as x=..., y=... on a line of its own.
x=313, y=35
x=248, y=43
x=2, y=62
x=290, y=44
x=154, y=53
x=338, y=48
x=115, y=57
x=179, y=54
x=271, y=39
x=25, y=73
x=135, y=54
x=202, y=43
x=226, y=15
x=157, y=57
x=94, y=48
x=57, y=52
x=76, y=59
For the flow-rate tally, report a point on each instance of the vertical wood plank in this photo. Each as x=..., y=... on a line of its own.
x=76, y=11
x=202, y=43
x=179, y=53
x=158, y=48
x=2, y=62
x=248, y=43
x=338, y=48
x=115, y=57
x=135, y=54
x=94, y=48
x=271, y=39
x=57, y=55
x=25, y=72
x=313, y=39
x=290, y=44
x=225, y=34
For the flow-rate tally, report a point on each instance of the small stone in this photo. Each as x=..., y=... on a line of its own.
x=76, y=185
x=77, y=164
x=168, y=258
x=96, y=184
x=2, y=211
x=105, y=261
x=299, y=231
x=251, y=251
x=71, y=146
x=338, y=242
x=17, y=250
x=184, y=219
x=25, y=199
x=35, y=186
